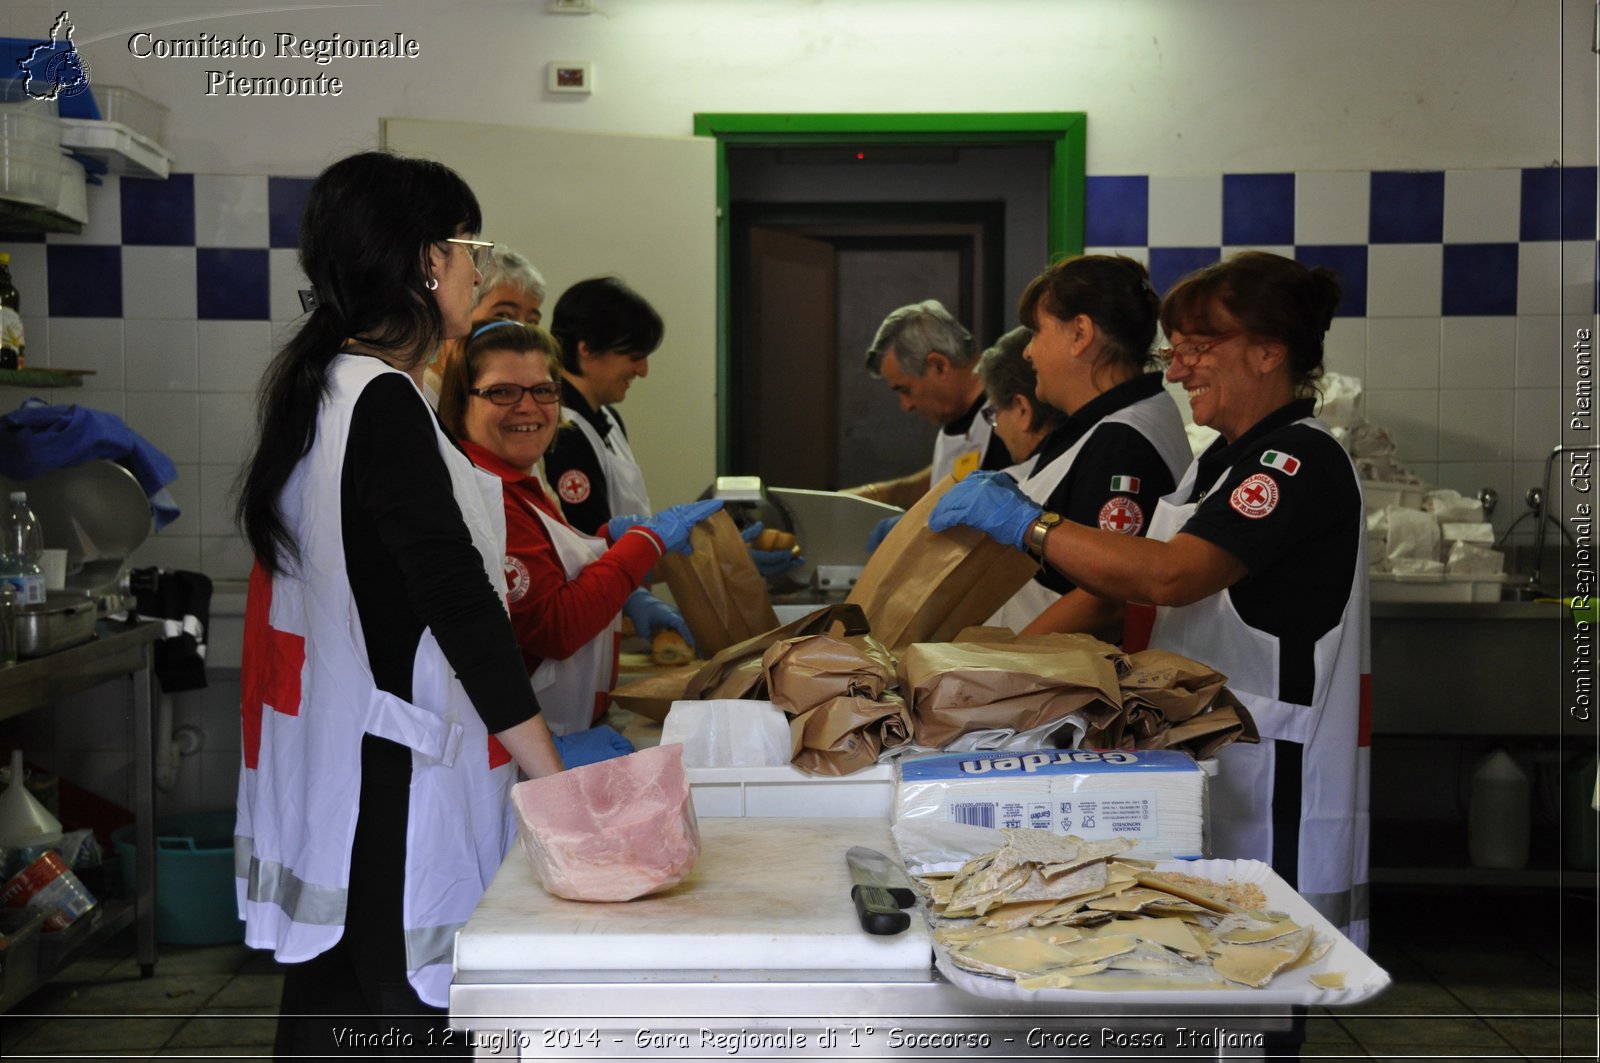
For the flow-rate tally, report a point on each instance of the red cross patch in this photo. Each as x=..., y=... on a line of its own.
x=269, y=672
x=573, y=486
x=1256, y=497
x=1122, y=515
x=517, y=578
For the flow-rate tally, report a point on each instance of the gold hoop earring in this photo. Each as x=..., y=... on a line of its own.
x=433, y=284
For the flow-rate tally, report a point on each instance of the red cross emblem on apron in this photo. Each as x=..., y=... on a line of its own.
x=269, y=671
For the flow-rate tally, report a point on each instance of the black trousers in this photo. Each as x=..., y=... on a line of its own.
x=354, y=1000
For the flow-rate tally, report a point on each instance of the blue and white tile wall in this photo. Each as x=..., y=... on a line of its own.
x=1456, y=283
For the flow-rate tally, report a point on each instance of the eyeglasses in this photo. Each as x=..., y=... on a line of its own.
x=1188, y=352
x=990, y=413
x=477, y=249
x=510, y=394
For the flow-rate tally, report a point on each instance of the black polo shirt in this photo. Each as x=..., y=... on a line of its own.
x=575, y=472
x=995, y=455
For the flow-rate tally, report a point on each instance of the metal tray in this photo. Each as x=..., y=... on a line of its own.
x=55, y=627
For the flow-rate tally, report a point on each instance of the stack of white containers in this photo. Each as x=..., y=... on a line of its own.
x=33, y=168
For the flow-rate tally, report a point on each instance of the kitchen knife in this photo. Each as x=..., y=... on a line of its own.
x=880, y=891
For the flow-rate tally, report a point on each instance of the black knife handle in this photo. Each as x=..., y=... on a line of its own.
x=878, y=911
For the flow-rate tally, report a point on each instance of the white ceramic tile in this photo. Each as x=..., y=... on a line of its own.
x=227, y=428
x=1344, y=347
x=1331, y=208
x=1138, y=254
x=95, y=719
x=1475, y=426
x=185, y=491
x=230, y=211
x=93, y=343
x=1539, y=277
x=226, y=644
x=168, y=551
x=158, y=282
x=1412, y=420
x=104, y=773
x=1404, y=280
x=105, y=216
x=285, y=281
x=1482, y=206
x=216, y=501
x=216, y=711
x=1541, y=352
x=1538, y=423
x=219, y=778
x=1469, y=477
x=225, y=557
x=1578, y=277
x=107, y=400
x=1478, y=352
x=171, y=422
x=1185, y=211
x=36, y=338
x=161, y=356
x=233, y=354
x=30, y=276
x=1426, y=471
x=1403, y=352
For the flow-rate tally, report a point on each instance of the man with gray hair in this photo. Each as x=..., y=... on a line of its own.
x=930, y=361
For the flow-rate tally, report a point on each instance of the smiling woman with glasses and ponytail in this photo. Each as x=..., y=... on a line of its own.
x=385, y=707
x=502, y=398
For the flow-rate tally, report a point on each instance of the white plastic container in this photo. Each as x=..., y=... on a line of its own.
x=138, y=112
x=1497, y=813
x=25, y=125
x=32, y=173
x=1436, y=587
x=787, y=792
x=1379, y=495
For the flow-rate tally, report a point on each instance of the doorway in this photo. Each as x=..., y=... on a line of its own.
x=826, y=223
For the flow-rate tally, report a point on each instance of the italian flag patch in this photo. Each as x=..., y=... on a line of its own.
x=1125, y=483
x=1277, y=459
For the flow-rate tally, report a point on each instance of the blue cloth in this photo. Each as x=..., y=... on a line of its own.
x=673, y=525
x=991, y=502
x=770, y=563
x=591, y=746
x=650, y=614
x=40, y=438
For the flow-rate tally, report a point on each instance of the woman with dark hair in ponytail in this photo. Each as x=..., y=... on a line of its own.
x=1256, y=565
x=385, y=705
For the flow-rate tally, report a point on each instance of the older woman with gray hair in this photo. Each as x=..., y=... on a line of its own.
x=510, y=289
x=1017, y=414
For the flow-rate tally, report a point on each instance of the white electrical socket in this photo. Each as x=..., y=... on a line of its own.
x=571, y=7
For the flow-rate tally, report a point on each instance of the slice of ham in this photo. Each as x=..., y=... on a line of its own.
x=610, y=831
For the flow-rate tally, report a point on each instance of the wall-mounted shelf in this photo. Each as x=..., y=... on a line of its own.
x=43, y=378
x=119, y=148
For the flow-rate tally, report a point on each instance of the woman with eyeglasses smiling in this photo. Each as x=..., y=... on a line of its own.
x=385, y=707
x=502, y=398
x=1255, y=565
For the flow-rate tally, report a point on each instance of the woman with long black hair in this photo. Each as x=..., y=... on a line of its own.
x=385, y=703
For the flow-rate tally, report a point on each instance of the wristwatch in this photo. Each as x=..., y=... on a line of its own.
x=1039, y=529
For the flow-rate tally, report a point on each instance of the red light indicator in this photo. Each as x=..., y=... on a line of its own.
x=860, y=155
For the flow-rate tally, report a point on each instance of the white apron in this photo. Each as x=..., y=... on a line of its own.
x=625, y=492
x=1158, y=420
x=960, y=454
x=309, y=697
x=573, y=691
x=1332, y=872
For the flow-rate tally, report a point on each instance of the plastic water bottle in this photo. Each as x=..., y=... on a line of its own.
x=1498, y=813
x=21, y=544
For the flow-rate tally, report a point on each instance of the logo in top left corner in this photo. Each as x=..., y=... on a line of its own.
x=53, y=69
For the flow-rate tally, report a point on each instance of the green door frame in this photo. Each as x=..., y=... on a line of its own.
x=1063, y=130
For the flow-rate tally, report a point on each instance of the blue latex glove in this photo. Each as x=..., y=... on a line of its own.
x=650, y=614
x=673, y=525
x=769, y=563
x=880, y=532
x=591, y=746
x=990, y=501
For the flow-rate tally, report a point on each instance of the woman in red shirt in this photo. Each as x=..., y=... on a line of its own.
x=502, y=398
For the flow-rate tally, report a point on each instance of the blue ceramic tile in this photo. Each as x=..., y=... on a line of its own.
x=85, y=280
x=1257, y=209
x=1479, y=279
x=1116, y=211
x=1541, y=204
x=1349, y=261
x=1407, y=208
x=231, y=284
x=1169, y=265
x=286, y=202
x=1578, y=203
x=158, y=212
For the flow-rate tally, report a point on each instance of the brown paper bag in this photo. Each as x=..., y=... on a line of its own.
x=955, y=688
x=717, y=588
x=846, y=734
x=1201, y=735
x=652, y=696
x=1172, y=685
x=924, y=586
x=738, y=667
x=805, y=672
